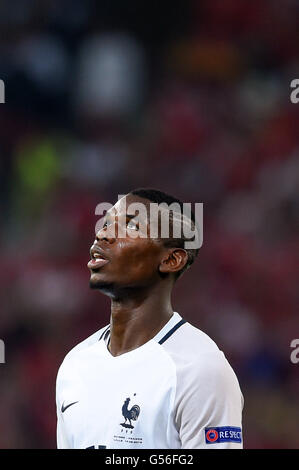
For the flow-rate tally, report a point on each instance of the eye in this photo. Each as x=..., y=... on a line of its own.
x=133, y=225
x=106, y=223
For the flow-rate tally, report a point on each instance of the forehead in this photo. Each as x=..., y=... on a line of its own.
x=129, y=204
x=149, y=212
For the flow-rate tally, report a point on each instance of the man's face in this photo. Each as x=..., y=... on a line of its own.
x=128, y=260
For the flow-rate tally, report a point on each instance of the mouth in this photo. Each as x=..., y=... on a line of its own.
x=98, y=259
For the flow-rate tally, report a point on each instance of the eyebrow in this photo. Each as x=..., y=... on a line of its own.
x=128, y=216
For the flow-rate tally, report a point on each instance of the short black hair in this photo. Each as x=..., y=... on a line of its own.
x=157, y=196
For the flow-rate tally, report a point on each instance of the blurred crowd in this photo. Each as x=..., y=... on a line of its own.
x=189, y=98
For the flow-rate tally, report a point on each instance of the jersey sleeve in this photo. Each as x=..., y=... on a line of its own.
x=209, y=404
x=61, y=434
x=64, y=374
x=62, y=441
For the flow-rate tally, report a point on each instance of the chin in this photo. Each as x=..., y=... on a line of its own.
x=96, y=281
x=106, y=288
x=100, y=284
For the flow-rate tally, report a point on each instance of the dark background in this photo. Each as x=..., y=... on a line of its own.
x=188, y=97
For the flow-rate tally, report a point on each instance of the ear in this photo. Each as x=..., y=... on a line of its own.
x=174, y=260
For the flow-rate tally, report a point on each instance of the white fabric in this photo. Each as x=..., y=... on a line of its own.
x=176, y=390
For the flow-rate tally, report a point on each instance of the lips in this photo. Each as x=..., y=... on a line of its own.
x=97, y=263
x=98, y=258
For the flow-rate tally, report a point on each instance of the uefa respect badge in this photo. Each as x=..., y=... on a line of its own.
x=223, y=434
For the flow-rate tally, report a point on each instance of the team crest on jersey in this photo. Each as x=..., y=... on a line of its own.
x=129, y=413
x=127, y=434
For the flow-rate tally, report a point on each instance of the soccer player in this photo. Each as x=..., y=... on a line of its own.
x=148, y=379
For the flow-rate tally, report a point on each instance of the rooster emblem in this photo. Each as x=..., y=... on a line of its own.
x=129, y=415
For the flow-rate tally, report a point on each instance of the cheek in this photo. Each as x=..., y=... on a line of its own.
x=137, y=260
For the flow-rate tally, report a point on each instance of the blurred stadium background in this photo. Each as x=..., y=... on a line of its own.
x=188, y=97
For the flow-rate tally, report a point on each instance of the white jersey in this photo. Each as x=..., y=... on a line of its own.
x=177, y=391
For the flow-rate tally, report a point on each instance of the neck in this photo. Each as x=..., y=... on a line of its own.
x=138, y=317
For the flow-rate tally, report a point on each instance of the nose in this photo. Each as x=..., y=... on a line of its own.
x=106, y=234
